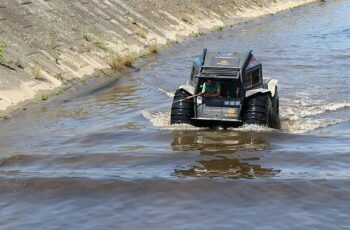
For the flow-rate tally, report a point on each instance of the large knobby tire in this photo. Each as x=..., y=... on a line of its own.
x=258, y=110
x=276, y=122
x=182, y=109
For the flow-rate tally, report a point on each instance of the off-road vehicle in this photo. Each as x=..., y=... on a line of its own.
x=255, y=102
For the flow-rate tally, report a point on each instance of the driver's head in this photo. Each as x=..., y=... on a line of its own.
x=210, y=81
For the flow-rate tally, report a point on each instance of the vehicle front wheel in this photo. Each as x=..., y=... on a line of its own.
x=182, y=109
x=258, y=110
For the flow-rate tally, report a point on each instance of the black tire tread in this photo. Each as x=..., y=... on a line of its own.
x=181, y=111
x=255, y=110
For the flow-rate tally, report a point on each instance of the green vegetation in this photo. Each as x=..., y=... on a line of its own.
x=36, y=69
x=143, y=55
x=56, y=55
x=209, y=3
x=84, y=36
x=171, y=42
x=54, y=38
x=199, y=34
x=84, y=44
x=2, y=50
x=141, y=33
x=84, y=47
x=59, y=76
x=193, y=7
x=100, y=43
x=6, y=117
x=220, y=28
x=44, y=97
x=106, y=72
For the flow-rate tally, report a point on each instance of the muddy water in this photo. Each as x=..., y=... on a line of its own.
x=110, y=160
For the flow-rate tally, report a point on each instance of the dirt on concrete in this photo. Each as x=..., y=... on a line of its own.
x=47, y=44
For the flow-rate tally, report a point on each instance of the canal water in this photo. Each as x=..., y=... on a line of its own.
x=111, y=160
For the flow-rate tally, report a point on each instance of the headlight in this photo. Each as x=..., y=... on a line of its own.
x=231, y=113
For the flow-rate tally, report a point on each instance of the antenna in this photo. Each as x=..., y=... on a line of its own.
x=204, y=55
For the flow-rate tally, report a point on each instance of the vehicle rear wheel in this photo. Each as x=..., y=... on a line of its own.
x=258, y=110
x=182, y=109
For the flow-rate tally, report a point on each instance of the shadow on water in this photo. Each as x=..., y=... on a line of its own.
x=225, y=154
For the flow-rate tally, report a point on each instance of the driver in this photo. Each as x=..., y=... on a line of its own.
x=211, y=88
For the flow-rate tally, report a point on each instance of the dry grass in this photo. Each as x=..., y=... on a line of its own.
x=100, y=43
x=118, y=63
x=2, y=50
x=141, y=33
x=84, y=36
x=115, y=63
x=36, y=69
x=153, y=48
x=18, y=63
x=54, y=38
x=171, y=42
x=128, y=60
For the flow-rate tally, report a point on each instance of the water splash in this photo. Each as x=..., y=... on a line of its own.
x=254, y=128
x=161, y=120
x=167, y=92
x=306, y=110
x=301, y=119
x=307, y=125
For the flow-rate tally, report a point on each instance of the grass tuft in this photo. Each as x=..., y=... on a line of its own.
x=54, y=38
x=115, y=63
x=186, y=19
x=128, y=60
x=219, y=28
x=170, y=42
x=2, y=50
x=199, y=34
x=118, y=63
x=153, y=48
x=141, y=33
x=100, y=43
x=84, y=36
x=18, y=63
x=193, y=7
x=36, y=69
x=6, y=117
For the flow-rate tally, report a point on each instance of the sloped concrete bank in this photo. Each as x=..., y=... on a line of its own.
x=48, y=44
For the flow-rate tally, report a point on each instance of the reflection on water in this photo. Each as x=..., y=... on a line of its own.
x=222, y=153
x=225, y=168
x=214, y=142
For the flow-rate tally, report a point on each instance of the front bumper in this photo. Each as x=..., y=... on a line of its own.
x=211, y=122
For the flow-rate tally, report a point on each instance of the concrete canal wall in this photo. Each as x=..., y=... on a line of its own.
x=47, y=44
